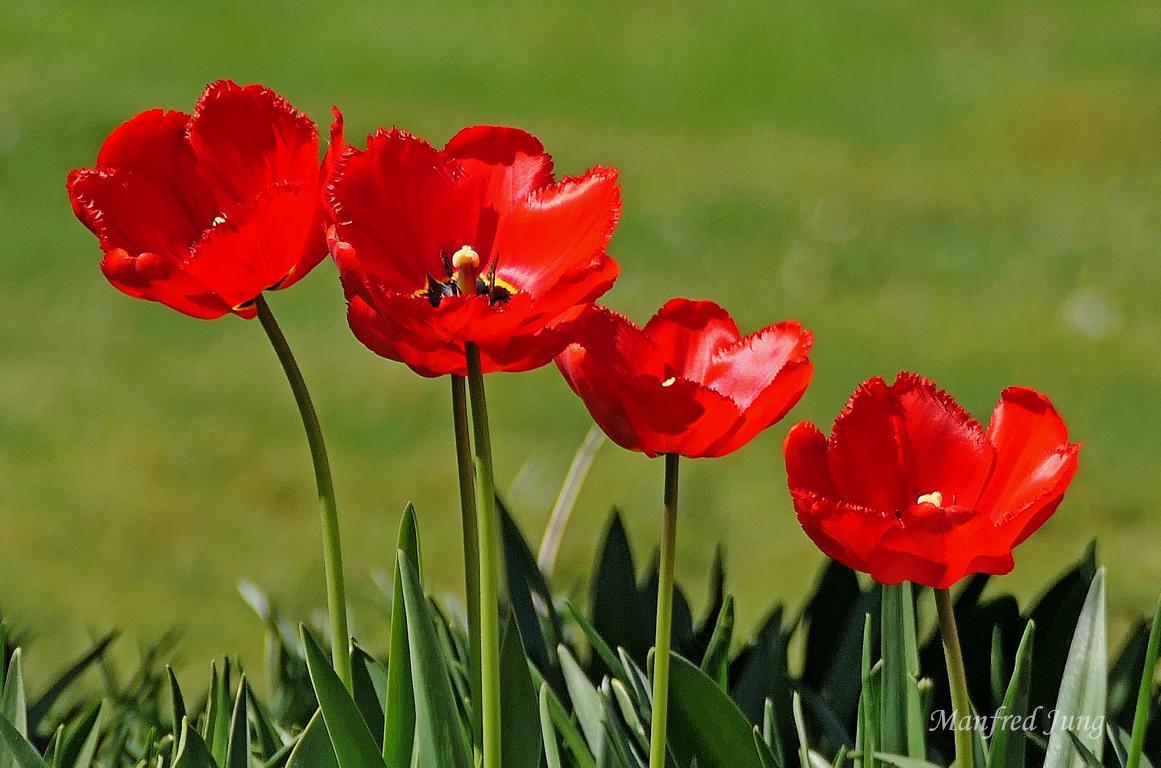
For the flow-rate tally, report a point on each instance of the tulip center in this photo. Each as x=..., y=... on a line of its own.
x=935, y=499
x=462, y=278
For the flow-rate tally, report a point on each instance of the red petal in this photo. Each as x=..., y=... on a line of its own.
x=499, y=168
x=390, y=202
x=259, y=246
x=618, y=373
x=938, y=547
x=156, y=278
x=752, y=365
x=864, y=455
x=1034, y=459
x=145, y=195
x=806, y=465
x=944, y=448
x=128, y=211
x=557, y=231
x=771, y=406
x=690, y=335
x=247, y=138
x=846, y=532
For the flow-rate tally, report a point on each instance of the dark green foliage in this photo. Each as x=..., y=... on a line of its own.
x=848, y=678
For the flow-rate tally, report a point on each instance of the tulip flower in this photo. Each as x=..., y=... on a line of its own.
x=203, y=212
x=464, y=261
x=472, y=244
x=909, y=487
x=687, y=384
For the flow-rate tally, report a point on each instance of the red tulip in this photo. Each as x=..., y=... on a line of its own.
x=203, y=212
x=909, y=487
x=472, y=243
x=688, y=383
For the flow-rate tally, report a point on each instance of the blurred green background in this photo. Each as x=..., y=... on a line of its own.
x=969, y=190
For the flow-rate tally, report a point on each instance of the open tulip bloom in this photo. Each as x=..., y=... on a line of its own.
x=687, y=384
x=203, y=213
x=909, y=487
x=464, y=261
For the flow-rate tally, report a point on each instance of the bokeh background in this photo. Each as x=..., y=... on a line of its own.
x=971, y=190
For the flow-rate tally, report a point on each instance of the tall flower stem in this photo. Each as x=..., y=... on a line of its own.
x=664, y=617
x=489, y=554
x=961, y=705
x=332, y=547
x=471, y=535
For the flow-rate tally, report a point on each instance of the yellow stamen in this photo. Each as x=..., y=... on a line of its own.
x=935, y=499
x=669, y=382
x=466, y=263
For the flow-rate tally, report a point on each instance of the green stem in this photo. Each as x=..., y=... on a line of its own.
x=489, y=554
x=471, y=538
x=332, y=547
x=961, y=705
x=1145, y=694
x=664, y=617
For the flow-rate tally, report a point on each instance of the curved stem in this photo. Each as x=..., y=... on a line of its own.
x=332, y=547
x=488, y=525
x=471, y=533
x=664, y=617
x=961, y=705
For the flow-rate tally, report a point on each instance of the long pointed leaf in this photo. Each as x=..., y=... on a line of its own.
x=520, y=747
x=313, y=749
x=1145, y=695
x=1083, y=689
x=353, y=743
x=1007, y=747
x=705, y=724
x=23, y=754
x=441, y=741
x=399, y=713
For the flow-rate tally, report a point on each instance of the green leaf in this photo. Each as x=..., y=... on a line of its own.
x=177, y=705
x=547, y=732
x=1136, y=748
x=441, y=741
x=1089, y=759
x=368, y=698
x=867, y=736
x=79, y=741
x=216, y=729
x=800, y=728
x=269, y=741
x=12, y=707
x=704, y=723
x=520, y=747
x=38, y=711
x=901, y=727
x=770, y=733
x=353, y=743
x=1007, y=747
x=399, y=712
x=238, y=746
x=1083, y=688
x=572, y=738
x=1122, y=741
x=617, y=609
x=313, y=749
x=716, y=661
x=587, y=705
x=599, y=646
x=192, y=751
x=21, y=753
